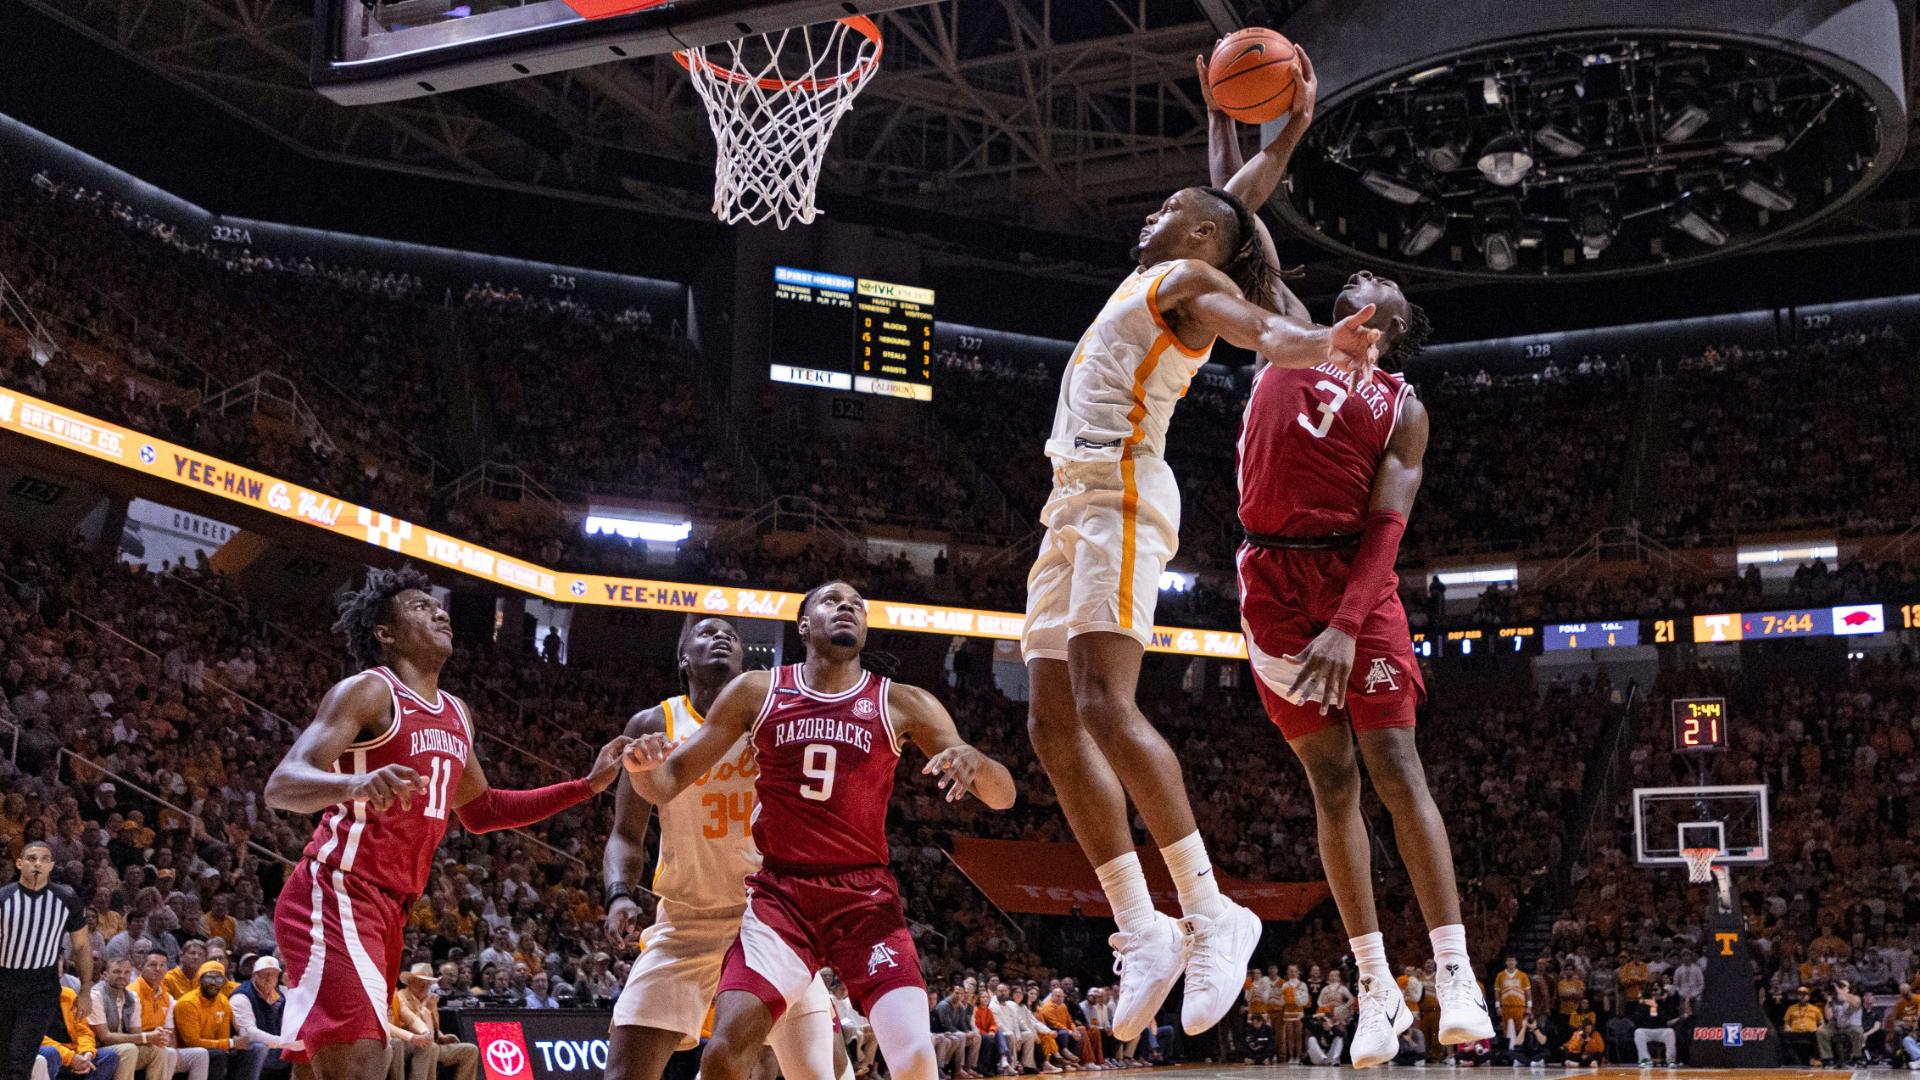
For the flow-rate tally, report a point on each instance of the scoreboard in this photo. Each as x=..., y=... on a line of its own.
x=1842, y=621
x=842, y=333
x=1699, y=724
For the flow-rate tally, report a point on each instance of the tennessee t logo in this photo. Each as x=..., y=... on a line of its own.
x=1726, y=943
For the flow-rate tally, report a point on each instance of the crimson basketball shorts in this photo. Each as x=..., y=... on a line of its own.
x=795, y=924
x=1287, y=597
x=340, y=940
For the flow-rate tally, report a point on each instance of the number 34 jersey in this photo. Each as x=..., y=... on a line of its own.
x=826, y=774
x=706, y=846
x=1310, y=444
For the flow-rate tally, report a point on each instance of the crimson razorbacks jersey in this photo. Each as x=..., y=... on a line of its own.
x=826, y=774
x=393, y=848
x=1309, y=447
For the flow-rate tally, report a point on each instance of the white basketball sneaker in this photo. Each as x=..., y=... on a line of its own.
x=1383, y=1017
x=1463, y=1010
x=1218, y=950
x=1148, y=963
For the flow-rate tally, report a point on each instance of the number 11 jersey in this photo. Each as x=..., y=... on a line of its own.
x=826, y=774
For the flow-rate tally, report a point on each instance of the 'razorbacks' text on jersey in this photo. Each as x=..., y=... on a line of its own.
x=826, y=775
x=706, y=842
x=1128, y=372
x=1309, y=446
x=393, y=848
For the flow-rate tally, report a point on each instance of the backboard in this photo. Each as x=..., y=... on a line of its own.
x=1733, y=818
x=368, y=51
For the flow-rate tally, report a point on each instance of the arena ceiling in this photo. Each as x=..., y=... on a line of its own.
x=1073, y=116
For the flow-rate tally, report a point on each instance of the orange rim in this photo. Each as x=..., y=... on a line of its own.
x=860, y=23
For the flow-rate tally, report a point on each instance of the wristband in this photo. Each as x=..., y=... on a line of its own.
x=616, y=891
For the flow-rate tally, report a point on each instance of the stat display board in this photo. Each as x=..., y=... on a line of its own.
x=851, y=334
x=1699, y=724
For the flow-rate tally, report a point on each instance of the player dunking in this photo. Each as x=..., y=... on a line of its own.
x=1329, y=465
x=826, y=735
x=1112, y=523
x=706, y=853
x=388, y=756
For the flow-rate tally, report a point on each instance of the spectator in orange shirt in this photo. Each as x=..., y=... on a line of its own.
x=1586, y=1048
x=68, y=1048
x=993, y=1041
x=204, y=1020
x=219, y=921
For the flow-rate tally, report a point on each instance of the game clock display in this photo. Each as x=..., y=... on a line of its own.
x=1699, y=724
x=840, y=333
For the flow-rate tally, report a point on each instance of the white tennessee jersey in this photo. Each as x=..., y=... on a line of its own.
x=1127, y=373
x=706, y=838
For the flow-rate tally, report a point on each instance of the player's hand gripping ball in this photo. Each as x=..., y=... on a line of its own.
x=1254, y=75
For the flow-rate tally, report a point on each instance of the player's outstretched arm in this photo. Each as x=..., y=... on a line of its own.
x=1223, y=138
x=1327, y=661
x=1206, y=304
x=304, y=782
x=659, y=770
x=1225, y=164
x=920, y=719
x=624, y=863
x=481, y=807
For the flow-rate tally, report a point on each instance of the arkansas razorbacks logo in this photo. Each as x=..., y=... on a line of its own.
x=1381, y=673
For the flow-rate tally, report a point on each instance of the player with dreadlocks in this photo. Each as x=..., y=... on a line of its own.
x=387, y=757
x=1329, y=466
x=1112, y=523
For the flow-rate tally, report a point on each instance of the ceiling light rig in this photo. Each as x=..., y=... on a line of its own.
x=1583, y=155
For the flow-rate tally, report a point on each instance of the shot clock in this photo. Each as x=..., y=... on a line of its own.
x=1699, y=724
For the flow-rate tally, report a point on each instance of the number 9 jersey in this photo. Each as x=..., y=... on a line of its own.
x=826, y=774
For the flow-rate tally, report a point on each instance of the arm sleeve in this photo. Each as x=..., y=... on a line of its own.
x=495, y=809
x=1372, y=566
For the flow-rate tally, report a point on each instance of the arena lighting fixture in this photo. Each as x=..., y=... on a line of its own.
x=1595, y=219
x=1750, y=556
x=1171, y=581
x=1560, y=132
x=1630, y=102
x=1425, y=231
x=1765, y=188
x=1497, y=233
x=1505, y=161
x=1391, y=187
x=657, y=532
x=1699, y=222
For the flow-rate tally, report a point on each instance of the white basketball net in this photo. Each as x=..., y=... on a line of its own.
x=1700, y=863
x=773, y=101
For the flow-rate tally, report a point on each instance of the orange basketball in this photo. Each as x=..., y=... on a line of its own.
x=1252, y=75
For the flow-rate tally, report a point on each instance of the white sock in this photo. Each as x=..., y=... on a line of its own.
x=1193, y=876
x=1450, y=952
x=1126, y=887
x=1370, y=956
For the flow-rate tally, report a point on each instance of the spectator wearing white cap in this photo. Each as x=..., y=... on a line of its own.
x=419, y=1046
x=258, y=1006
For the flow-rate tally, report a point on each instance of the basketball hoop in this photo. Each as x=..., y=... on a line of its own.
x=773, y=100
x=1700, y=866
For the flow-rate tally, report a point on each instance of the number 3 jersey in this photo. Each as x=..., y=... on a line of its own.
x=1310, y=444
x=392, y=849
x=706, y=843
x=826, y=774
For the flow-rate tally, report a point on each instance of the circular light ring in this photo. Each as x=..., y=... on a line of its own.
x=1855, y=67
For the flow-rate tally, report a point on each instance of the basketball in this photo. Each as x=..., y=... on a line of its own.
x=1252, y=75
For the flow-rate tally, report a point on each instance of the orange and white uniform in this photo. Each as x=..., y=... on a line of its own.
x=1113, y=517
x=1515, y=989
x=706, y=853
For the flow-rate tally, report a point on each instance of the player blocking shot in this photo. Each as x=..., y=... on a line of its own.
x=1112, y=523
x=706, y=853
x=388, y=758
x=826, y=735
x=1329, y=464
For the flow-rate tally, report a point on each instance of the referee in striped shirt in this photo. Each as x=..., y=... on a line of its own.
x=35, y=914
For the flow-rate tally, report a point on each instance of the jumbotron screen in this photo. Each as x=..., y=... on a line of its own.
x=842, y=333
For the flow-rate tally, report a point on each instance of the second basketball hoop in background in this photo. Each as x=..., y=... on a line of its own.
x=773, y=101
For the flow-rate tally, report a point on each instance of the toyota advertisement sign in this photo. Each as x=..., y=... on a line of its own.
x=539, y=1044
